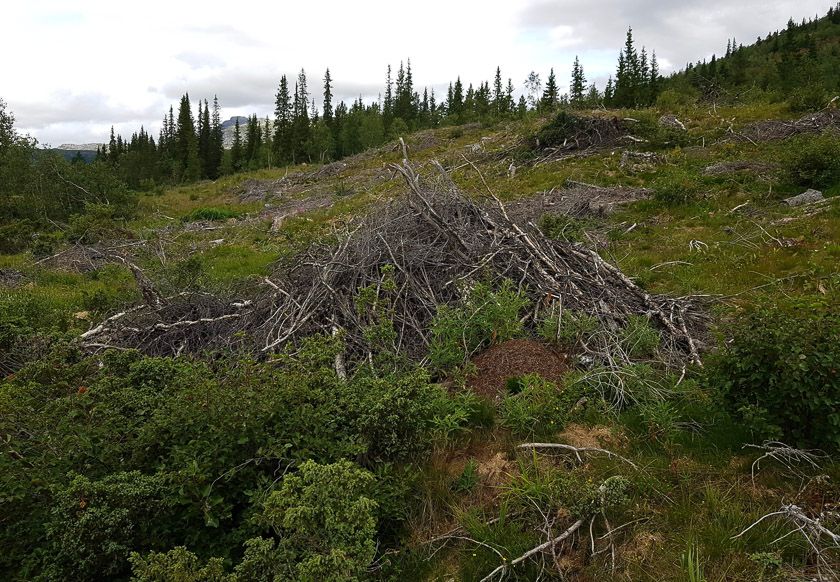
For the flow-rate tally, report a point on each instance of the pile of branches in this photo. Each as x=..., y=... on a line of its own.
x=431, y=246
x=568, y=134
x=257, y=190
x=825, y=120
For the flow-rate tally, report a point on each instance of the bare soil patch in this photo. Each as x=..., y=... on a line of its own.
x=11, y=278
x=512, y=359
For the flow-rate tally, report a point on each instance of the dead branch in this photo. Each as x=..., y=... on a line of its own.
x=576, y=450
x=813, y=531
x=500, y=571
x=785, y=455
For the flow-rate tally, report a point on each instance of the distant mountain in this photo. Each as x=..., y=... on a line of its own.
x=229, y=128
x=80, y=147
x=231, y=123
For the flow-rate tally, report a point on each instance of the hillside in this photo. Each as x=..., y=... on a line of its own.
x=341, y=371
x=800, y=64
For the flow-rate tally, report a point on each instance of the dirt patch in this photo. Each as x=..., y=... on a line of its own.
x=577, y=200
x=641, y=546
x=495, y=470
x=578, y=435
x=11, y=278
x=511, y=359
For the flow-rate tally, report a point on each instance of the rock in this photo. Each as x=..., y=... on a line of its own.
x=808, y=197
x=671, y=122
x=277, y=222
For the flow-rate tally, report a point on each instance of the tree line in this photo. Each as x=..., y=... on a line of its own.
x=189, y=148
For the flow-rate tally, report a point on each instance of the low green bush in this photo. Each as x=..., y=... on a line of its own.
x=484, y=318
x=568, y=329
x=560, y=227
x=98, y=222
x=638, y=338
x=675, y=188
x=325, y=518
x=538, y=407
x=813, y=161
x=781, y=364
x=210, y=214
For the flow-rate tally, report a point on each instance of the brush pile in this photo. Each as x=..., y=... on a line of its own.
x=411, y=256
x=770, y=130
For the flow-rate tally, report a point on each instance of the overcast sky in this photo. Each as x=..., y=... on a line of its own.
x=70, y=70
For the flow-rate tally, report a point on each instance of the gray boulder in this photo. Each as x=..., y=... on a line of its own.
x=808, y=197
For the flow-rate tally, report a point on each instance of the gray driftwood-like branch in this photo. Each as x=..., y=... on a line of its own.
x=576, y=450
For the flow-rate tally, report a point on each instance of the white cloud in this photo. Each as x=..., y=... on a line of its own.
x=70, y=72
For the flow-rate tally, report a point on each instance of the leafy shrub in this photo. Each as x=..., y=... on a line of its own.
x=550, y=488
x=539, y=407
x=45, y=243
x=485, y=317
x=813, y=161
x=785, y=359
x=675, y=188
x=96, y=524
x=568, y=329
x=810, y=97
x=638, y=338
x=98, y=222
x=325, y=518
x=394, y=414
x=176, y=564
x=16, y=236
x=468, y=478
x=210, y=214
x=676, y=99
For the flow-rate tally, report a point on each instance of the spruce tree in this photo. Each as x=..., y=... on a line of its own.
x=236, y=148
x=187, y=165
x=283, y=150
x=205, y=140
x=113, y=152
x=499, y=98
x=268, y=145
x=216, y=149
x=655, y=80
x=551, y=95
x=328, y=107
x=578, y=85
x=300, y=119
x=388, y=105
x=456, y=105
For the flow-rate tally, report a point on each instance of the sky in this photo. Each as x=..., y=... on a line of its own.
x=71, y=70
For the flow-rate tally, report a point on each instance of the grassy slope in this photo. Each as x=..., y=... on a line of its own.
x=694, y=491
